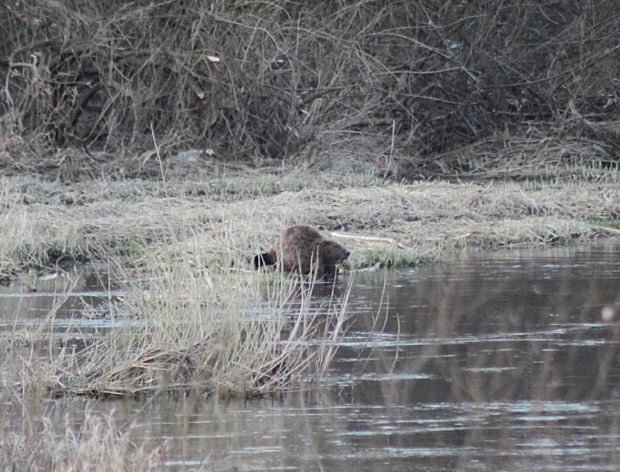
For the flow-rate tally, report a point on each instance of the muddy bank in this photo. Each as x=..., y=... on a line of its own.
x=224, y=220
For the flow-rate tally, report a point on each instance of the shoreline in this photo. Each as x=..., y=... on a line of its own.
x=228, y=219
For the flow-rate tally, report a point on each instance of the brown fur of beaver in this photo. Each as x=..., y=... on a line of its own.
x=302, y=249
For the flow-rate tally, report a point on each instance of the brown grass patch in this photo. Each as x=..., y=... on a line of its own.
x=39, y=444
x=139, y=220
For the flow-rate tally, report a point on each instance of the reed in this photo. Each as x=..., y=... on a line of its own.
x=208, y=330
x=31, y=442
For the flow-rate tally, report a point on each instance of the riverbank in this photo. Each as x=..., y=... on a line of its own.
x=181, y=248
x=223, y=219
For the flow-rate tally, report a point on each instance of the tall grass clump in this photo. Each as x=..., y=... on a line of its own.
x=32, y=238
x=211, y=331
x=32, y=443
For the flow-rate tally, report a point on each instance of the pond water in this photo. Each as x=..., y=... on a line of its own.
x=505, y=361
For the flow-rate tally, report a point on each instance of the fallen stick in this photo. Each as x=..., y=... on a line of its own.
x=368, y=238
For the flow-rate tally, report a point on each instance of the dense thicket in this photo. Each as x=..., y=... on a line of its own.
x=398, y=81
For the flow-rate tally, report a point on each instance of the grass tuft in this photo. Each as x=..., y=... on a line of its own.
x=391, y=256
x=97, y=445
x=613, y=224
x=211, y=331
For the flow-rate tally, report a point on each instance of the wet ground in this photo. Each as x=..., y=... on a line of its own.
x=506, y=361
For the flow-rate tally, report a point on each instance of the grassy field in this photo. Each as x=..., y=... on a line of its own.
x=221, y=221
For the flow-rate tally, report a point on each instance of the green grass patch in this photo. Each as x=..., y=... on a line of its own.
x=391, y=256
x=133, y=251
x=615, y=223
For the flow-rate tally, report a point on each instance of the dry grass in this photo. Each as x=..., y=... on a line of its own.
x=425, y=221
x=190, y=330
x=37, y=444
x=187, y=324
x=537, y=154
x=32, y=239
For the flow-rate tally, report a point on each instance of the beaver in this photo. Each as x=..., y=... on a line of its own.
x=303, y=250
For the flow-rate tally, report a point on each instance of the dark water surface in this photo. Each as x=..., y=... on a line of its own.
x=507, y=361
x=27, y=302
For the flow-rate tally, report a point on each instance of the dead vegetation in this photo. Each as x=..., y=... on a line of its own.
x=361, y=96
x=184, y=329
x=35, y=443
x=187, y=323
x=406, y=88
x=191, y=318
x=146, y=221
x=95, y=97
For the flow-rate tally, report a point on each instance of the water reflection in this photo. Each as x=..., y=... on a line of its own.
x=28, y=300
x=486, y=330
x=500, y=362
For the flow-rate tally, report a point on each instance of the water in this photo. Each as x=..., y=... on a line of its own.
x=28, y=301
x=506, y=361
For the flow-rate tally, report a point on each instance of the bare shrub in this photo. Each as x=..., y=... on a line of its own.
x=393, y=82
